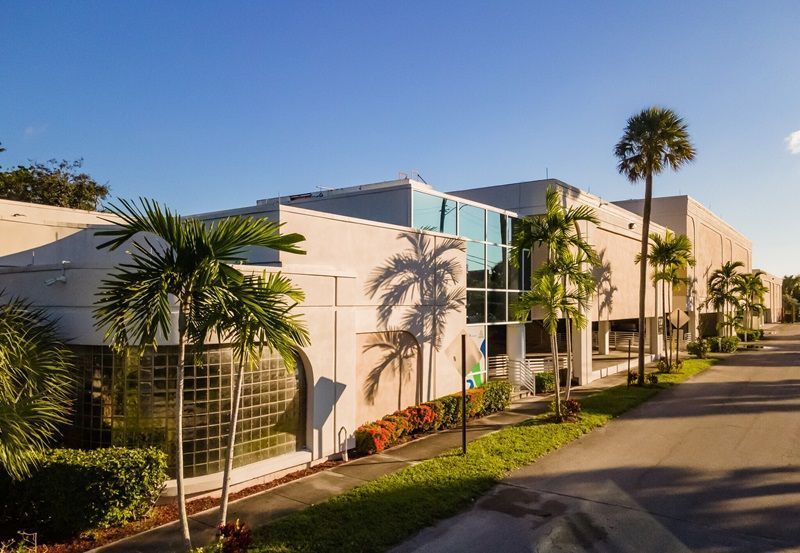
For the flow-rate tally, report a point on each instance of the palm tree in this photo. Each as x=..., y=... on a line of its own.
x=669, y=256
x=36, y=381
x=181, y=261
x=257, y=314
x=557, y=229
x=549, y=294
x=721, y=291
x=791, y=293
x=654, y=139
x=573, y=271
x=750, y=289
x=671, y=276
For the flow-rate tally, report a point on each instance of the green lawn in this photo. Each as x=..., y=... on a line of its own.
x=384, y=512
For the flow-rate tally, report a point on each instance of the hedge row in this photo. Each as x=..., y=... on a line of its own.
x=75, y=490
x=434, y=415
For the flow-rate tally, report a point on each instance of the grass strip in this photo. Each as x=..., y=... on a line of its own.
x=384, y=512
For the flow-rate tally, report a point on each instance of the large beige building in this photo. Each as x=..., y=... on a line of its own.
x=394, y=274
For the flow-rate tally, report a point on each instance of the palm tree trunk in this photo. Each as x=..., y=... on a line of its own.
x=664, y=316
x=184, y=517
x=669, y=360
x=569, y=355
x=648, y=200
x=226, y=478
x=554, y=351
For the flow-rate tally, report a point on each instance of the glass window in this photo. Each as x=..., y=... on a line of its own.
x=496, y=266
x=476, y=265
x=518, y=277
x=476, y=307
x=434, y=213
x=495, y=227
x=496, y=307
x=472, y=221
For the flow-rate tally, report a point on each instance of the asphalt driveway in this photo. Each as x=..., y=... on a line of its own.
x=710, y=465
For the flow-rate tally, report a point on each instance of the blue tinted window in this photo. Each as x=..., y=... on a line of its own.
x=476, y=265
x=434, y=213
x=495, y=227
x=496, y=266
x=473, y=222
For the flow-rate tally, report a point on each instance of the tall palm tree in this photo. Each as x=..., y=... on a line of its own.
x=548, y=293
x=557, y=230
x=36, y=381
x=721, y=292
x=174, y=260
x=256, y=315
x=751, y=290
x=654, y=139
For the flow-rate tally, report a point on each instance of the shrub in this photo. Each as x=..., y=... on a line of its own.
x=421, y=418
x=235, y=537
x=497, y=396
x=751, y=335
x=570, y=408
x=445, y=412
x=728, y=344
x=474, y=401
x=652, y=379
x=632, y=377
x=75, y=490
x=545, y=382
x=699, y=348
x=374, y=437
x=448, y=409
x=665, y=367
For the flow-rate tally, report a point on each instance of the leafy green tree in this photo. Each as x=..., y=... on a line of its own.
x=175, y=262
x=36, y=383
x=58, y=183
x=722, y=294
x=256, y=315
x=653, y=140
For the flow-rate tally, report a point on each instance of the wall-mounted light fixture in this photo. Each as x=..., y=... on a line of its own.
x=631, y=226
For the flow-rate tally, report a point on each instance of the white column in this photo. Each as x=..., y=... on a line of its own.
x=654, y=338
x=603, y=334
x=582, y=355
x=515, y=342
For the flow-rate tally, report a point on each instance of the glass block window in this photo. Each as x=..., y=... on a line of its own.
x=434, y=213
x=128, y=400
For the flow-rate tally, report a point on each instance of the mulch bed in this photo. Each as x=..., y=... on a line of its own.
x=163, y=514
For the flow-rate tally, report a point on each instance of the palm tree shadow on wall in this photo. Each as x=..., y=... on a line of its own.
x=420, y=282
x=605, y=287
x=400, y=354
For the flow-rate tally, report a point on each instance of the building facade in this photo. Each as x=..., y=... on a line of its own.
x=395, y=273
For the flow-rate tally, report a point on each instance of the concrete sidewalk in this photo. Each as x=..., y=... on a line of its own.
x=259, y=509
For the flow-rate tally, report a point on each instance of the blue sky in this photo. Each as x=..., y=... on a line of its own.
x=213, y=105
